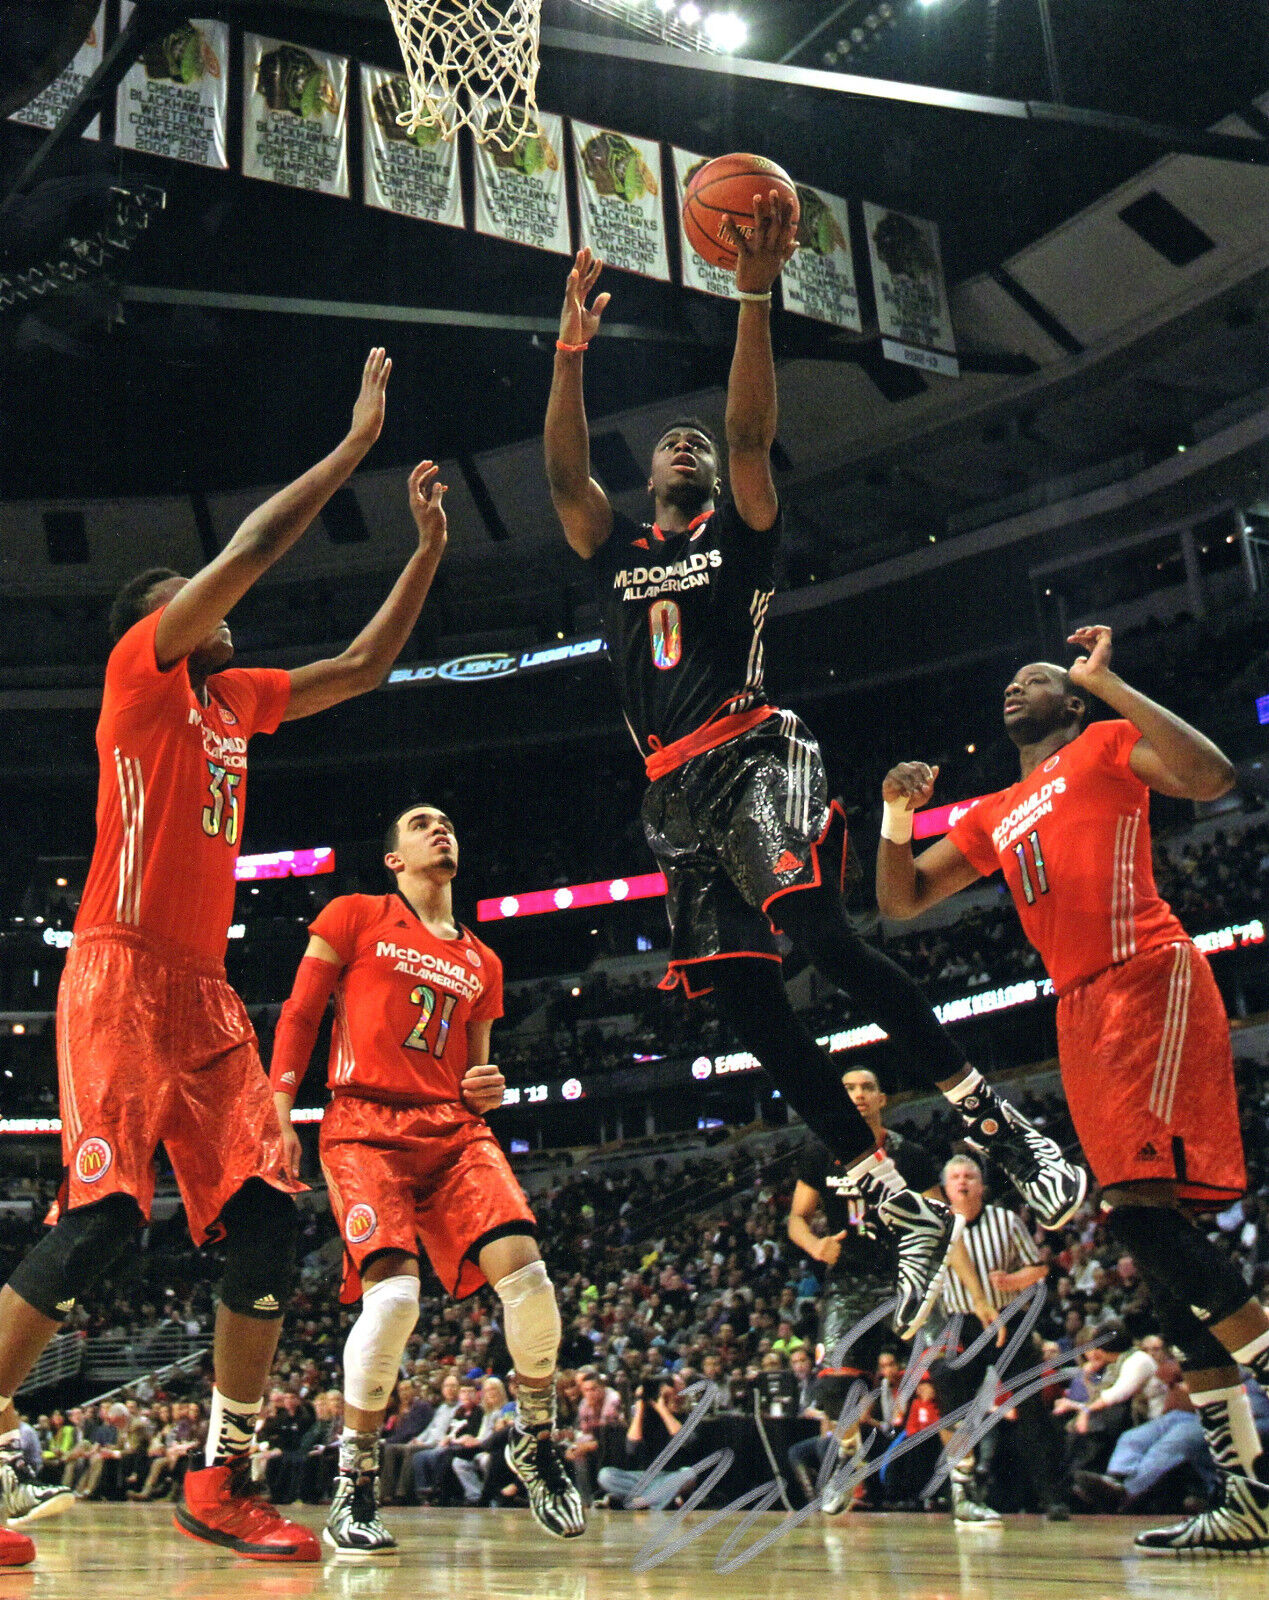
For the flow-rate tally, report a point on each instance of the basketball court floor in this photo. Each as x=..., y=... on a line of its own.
x=109, y=1552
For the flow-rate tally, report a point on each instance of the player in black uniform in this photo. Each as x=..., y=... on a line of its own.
x=737, y=812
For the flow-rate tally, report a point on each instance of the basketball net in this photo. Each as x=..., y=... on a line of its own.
x=472, y=62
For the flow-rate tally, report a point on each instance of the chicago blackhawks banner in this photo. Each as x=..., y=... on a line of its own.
x=697, y=272
x=414, y=174
x=46, y=109
x=619, y=200
x=295, y=115
x=819, y=282
x=907, y=277
x=173, y=102
x=520, y=192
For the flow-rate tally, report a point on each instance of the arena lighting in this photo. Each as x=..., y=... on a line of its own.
x=671, y=22
x=285, y=864
x=1237, y=936
x=608, y=891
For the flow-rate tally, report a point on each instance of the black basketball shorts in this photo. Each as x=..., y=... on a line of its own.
x=733, y=829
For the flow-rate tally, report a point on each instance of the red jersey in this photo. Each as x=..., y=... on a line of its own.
x=1073, y=841
x=171, y=793
x=404, y=1001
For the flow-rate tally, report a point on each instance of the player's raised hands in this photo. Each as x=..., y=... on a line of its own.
x=579, y=322
x=367, y=417
x=762, y=253
x=427, y=496
x=911, y=782
x=1090, y=668
x=482, y=1088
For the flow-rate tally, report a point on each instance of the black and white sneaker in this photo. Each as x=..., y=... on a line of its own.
x=353, y=1529
x=1238, y=1525
x=925, y=1231
x=1051, y=1185
x=553, y=1497
x=22, y=1500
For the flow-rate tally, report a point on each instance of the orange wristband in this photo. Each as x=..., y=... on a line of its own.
x=571, y=349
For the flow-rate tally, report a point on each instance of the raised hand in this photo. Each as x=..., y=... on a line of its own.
x=367, y=417
x=579, y=323
x=762, y=253
x=910, y=781
x=427, y=495
x=482, y=1088
x=1089, y=669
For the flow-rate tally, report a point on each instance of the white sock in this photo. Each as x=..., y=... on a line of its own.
x=973, y=1080
x=1240, y=1449
x=1245, y=1356
x=230, y=1428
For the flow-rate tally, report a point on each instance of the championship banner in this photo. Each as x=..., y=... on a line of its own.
x=45, y=111
x=907, y=276
x=174, y=101
x=819, y=281
x=697, y=272
x=520, y=193
x=619, y=200
x=413, y=174
x=295, y=116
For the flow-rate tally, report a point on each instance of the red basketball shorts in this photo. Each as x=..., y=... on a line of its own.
x=401, y=1175
x=153, y=1046
x=1149, y=1074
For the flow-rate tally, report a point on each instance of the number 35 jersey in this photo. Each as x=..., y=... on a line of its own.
x=682, y=618
x=1073, y=841
x=171, y=794
x=404, y=1002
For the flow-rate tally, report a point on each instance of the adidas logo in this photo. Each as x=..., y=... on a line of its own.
x=788, y=862
x=266, y=1302
x=1147, y=1152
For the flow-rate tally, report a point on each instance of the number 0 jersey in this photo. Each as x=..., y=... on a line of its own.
x=171, y=793
x=682, y=618
x=404, y=1001
x=1073, y=841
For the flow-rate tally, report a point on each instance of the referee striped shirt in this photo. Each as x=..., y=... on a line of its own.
x=997, y=1241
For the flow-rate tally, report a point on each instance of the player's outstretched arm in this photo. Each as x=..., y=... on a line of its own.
x=908, y=885
x=365, y=663
x=580, y=503
x=751, y=386
x=296, y=1034
x=271, y=529
x=1170, y=756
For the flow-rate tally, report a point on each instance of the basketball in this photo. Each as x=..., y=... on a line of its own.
x=725, y=187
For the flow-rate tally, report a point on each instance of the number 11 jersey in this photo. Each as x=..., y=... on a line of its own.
x=682, y=618
x=404, y=1001
x=1073, y=841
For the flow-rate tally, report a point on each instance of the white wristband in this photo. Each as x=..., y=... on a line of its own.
x=745, y=294
x=896, y=822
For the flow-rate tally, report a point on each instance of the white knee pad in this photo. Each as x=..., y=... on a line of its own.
x=532, y=1319
x=372, y=1352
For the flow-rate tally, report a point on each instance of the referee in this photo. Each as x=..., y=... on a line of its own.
x=1005, y=1263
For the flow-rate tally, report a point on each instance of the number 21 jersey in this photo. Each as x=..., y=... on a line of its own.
x=682, y=618
x=171, y=794
x=404, y=1001
x=1073, y=841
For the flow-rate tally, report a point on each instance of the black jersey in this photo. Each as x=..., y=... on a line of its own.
x=682, y=619
x=868, y=1248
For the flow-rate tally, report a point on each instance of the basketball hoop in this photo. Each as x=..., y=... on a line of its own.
x=472, y=62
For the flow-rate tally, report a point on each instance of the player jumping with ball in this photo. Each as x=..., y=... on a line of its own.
x=737, y=811
x=1143, y=1038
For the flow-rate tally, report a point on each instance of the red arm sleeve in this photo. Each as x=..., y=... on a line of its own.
x=297, y=1026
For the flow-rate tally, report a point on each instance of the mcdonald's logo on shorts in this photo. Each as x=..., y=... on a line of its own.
x=360, y=1223
x=93, y=1160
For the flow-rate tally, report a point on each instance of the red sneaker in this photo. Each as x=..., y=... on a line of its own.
x=223, y=1506
x=16, y=1550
